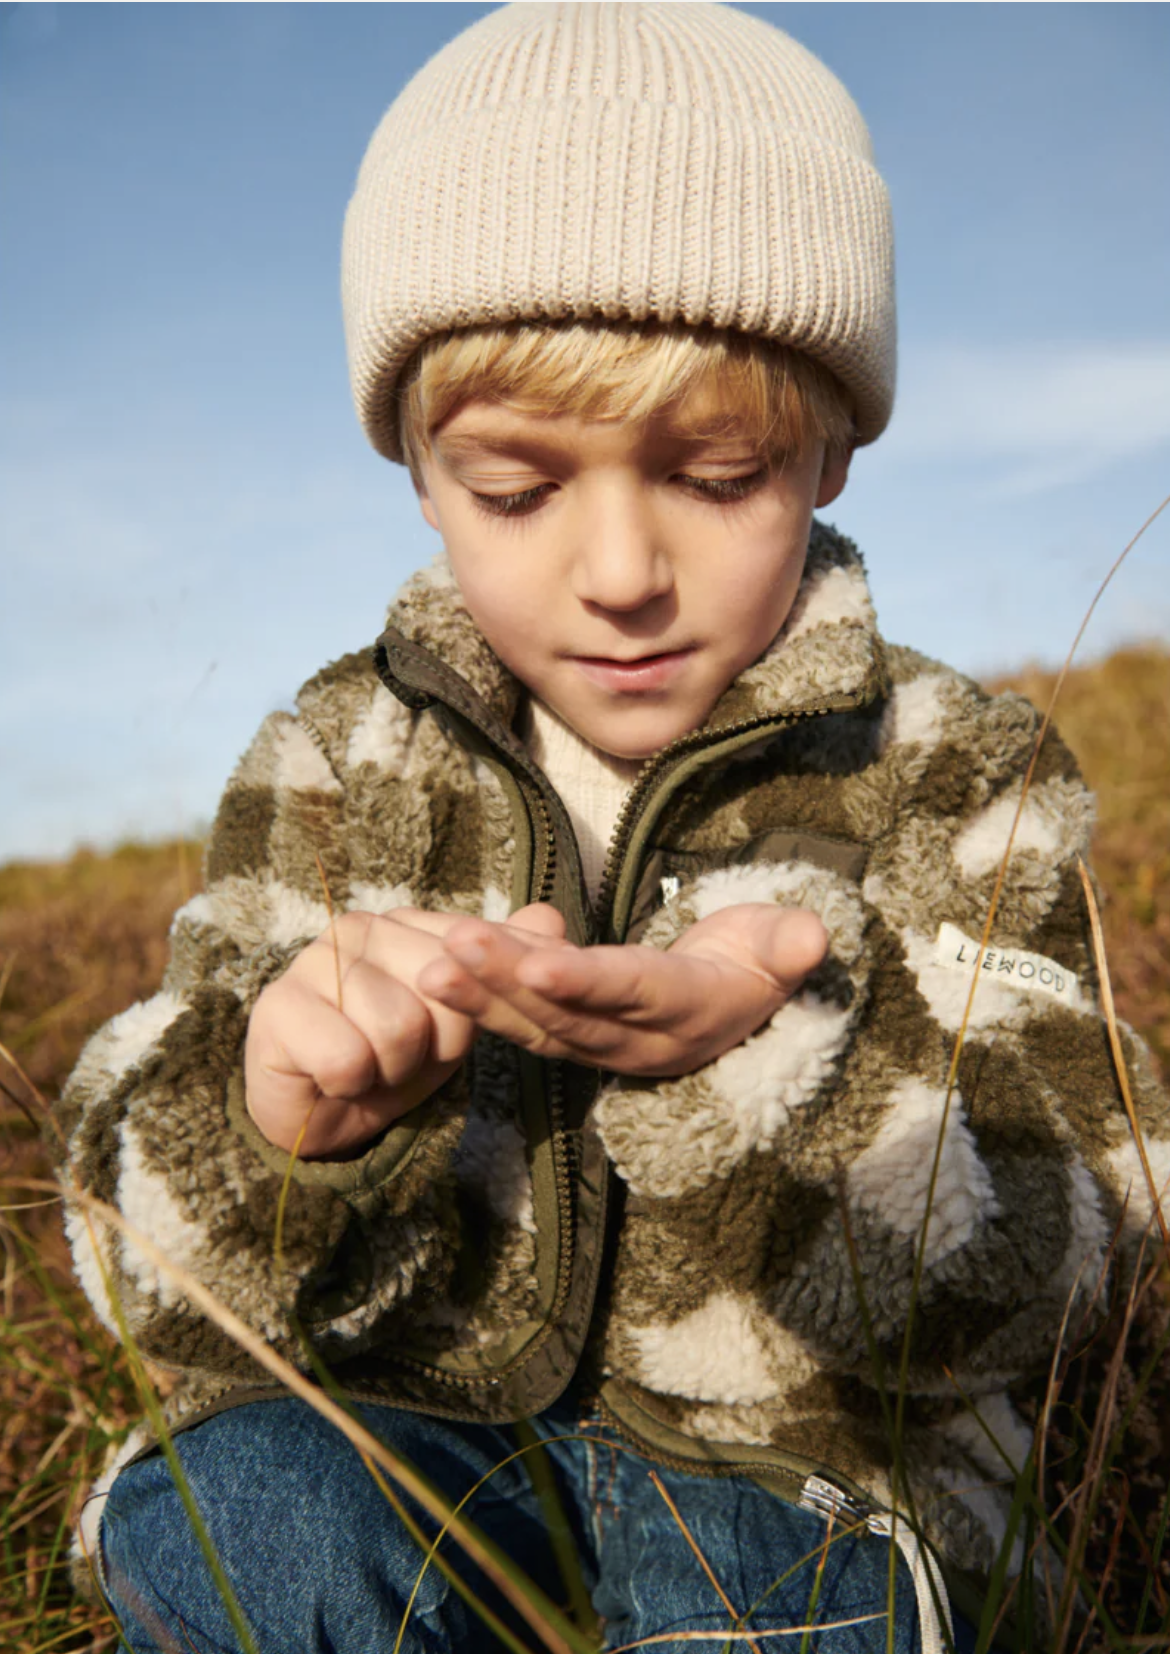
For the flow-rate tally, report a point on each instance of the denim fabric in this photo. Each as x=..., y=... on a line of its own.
x=322, y=1565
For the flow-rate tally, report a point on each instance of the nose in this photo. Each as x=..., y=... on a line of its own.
x=622, y=560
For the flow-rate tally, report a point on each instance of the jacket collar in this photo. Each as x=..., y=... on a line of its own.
x=828, y=653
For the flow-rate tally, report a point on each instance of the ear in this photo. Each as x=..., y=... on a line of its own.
x=834, y=475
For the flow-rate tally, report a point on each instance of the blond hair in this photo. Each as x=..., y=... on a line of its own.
x=782, y=400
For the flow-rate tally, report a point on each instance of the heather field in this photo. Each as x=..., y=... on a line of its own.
x=81, y=939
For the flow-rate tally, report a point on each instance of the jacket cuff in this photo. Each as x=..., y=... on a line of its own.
x=358, y=1181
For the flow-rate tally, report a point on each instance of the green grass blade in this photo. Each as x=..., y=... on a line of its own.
x=158, y=1424
x=555, y=1629
x=536, y=1462
x=1155, y=1560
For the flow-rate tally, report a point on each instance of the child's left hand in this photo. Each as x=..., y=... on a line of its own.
x=632, y=1009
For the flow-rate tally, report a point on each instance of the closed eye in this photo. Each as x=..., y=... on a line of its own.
x=718, y=490
x=513, y=505
x=724, y=490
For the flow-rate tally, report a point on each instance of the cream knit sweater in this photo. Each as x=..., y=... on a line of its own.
x=593, y=784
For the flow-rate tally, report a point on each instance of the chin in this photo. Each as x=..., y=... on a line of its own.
x=632, y=749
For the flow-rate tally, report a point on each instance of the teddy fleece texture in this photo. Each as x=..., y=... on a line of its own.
x=732, y=1252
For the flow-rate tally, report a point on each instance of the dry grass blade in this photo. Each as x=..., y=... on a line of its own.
x=736, y=1617
x=433, y=1547
x=1110, y=1015
x=1085, y=1498
x=29, y=1100
x=750, y=1637
x=544, y=1620
x=282, y=1201
x=332, y=923
x=818, y=1581
x=538, y=1467
x=6, y=974
x=1043, y=1423
x=492, y=1620
x=295, y=1151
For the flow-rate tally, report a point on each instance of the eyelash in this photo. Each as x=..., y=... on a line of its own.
x=511, y=505
x=726, y=490
x=717, y=490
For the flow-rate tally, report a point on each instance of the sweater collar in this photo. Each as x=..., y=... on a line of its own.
x=827, y=654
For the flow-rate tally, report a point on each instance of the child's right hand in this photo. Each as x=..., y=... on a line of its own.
x=349, y=1070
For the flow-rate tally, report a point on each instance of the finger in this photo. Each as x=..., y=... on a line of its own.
x=625, y=981
x=396, y=1022
x=539, y=919
x=489, y=952
x=296, y=1036
x=371, y=984
x=418, y=919
x=488, y=955
x=631, y=998
x=477, y=978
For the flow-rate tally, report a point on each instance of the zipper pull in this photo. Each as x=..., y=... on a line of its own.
x=827, y=1499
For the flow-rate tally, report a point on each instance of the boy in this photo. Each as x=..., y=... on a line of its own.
x=616, y=1086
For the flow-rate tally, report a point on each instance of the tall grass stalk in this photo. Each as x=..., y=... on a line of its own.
x=736, y=1618
x=585, y=1619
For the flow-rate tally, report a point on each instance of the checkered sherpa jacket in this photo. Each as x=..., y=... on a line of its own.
x=763, y=1213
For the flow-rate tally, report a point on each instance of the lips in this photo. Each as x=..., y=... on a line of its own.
x=642, y=674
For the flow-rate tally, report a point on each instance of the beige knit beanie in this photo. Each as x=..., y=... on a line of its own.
x=672, y=162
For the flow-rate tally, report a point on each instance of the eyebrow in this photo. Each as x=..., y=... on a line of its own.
x=467, y=445
x=475, y=444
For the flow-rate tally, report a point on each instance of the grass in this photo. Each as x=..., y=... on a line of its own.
x=82, y=939
x=1115, y=716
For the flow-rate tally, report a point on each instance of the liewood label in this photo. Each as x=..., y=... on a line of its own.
x=1009, y=967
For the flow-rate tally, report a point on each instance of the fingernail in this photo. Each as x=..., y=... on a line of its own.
x=470, y=953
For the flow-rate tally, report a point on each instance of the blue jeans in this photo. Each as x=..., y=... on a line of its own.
x=322, y=1565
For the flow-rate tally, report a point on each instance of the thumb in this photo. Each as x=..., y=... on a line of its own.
x=538, y=919
x=789, y=943
x=780, y=944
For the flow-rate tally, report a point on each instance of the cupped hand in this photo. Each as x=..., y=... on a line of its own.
x=633, y=1009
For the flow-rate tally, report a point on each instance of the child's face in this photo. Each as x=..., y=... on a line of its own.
x=625, y=573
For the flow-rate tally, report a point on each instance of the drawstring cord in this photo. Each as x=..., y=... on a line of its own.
x=934, y=1613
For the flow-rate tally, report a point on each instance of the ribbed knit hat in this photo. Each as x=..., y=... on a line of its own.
x=672, y=162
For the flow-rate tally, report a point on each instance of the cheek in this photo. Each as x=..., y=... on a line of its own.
x=755, y=597
x=503, y=604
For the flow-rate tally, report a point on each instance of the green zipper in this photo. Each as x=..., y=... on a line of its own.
x=418, y=678
x=792, y=1471
x=438, y=683
x=703, y=747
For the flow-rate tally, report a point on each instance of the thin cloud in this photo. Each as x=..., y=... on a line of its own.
x=1044, y=416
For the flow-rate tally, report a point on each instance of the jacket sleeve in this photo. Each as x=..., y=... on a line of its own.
x=156, y=1124
x=803, y=1162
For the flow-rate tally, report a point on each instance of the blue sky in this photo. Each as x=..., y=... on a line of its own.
x=191, y=520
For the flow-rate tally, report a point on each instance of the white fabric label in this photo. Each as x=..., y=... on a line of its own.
x=1007, y=967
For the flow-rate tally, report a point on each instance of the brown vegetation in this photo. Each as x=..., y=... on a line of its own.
x=1116, y=718
x=80, y=940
